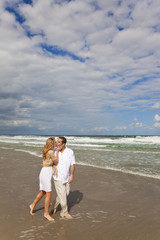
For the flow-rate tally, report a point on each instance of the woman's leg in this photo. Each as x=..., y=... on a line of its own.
x=46, y=206
x=36, y=200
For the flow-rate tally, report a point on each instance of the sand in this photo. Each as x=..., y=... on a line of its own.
x=105, y=205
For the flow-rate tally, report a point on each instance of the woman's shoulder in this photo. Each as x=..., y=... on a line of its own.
x=50, y=151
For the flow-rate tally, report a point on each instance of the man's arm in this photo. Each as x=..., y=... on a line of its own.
x=72, y=169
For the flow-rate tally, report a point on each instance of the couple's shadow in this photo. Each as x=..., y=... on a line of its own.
x=73, y=198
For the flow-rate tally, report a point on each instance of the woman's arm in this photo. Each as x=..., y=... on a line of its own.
x=53, y=157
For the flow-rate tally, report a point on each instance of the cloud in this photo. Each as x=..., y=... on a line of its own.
x=75, y=65
x=157, y=121
x=157, y=124
x=15, y=123
x=99, y=129
x=156, y=106
x=157, y=117
x=135, y=124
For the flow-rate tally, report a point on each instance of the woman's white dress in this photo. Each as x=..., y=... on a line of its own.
x=45, y=179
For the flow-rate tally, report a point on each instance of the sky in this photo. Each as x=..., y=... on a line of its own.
x=81, y=67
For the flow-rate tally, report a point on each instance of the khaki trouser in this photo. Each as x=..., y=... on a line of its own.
x=62, y=191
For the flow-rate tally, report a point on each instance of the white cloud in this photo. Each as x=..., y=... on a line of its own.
x=157, y=121
x=99, y=129
x=156, y=106
x=15, y=123
x=120, y=71
x=157, y=124
x=157, y=117
x=136, y=124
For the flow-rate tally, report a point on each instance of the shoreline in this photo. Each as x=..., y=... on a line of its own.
x=105, y=204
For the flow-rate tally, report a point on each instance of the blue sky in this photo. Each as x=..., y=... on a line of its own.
x=80, y=67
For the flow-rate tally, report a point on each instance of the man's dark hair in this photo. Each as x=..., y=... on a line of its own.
x=64, y=140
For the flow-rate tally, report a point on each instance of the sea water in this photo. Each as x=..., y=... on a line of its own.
x=138, y=155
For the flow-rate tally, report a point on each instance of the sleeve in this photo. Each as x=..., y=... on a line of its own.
x=73, y=161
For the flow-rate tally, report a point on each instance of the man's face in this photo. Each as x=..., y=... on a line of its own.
x=60, y=145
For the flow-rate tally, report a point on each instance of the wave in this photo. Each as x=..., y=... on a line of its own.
x=89, y=141
x=22, y=150
x=30, y=152
x=154, y=176
x=136, y=140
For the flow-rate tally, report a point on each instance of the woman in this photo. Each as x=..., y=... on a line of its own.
x=45, y=177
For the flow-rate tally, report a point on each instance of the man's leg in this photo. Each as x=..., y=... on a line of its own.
x=57, y=202
x=62, y=196
x=67, y=188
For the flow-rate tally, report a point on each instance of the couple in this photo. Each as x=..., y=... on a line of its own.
x=61, y=166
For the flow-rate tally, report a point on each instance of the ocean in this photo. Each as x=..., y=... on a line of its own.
x=138, y=155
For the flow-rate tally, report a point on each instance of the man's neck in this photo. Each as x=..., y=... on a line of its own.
x=63, y=149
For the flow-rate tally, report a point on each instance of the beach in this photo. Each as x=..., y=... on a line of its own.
x=105, y=204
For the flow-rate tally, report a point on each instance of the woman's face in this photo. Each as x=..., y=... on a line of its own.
x=53, y=143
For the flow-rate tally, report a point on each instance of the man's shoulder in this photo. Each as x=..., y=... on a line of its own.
x=70, y=155
x=69, y=150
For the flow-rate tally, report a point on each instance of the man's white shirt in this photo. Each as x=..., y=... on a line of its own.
x=65, y=161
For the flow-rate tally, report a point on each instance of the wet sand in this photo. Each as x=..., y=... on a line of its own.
x=104, y=204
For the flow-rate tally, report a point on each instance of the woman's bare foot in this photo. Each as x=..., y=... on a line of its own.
x=31, y=206
x=49, y=218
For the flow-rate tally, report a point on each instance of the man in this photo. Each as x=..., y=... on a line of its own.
x=66, y=168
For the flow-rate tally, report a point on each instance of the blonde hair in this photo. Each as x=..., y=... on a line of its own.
x=48, y=146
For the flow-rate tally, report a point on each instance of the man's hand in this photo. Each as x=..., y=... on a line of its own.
x=70, y=179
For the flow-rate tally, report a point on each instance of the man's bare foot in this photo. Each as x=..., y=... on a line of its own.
x=49, y=218
x=68, y=216
x=31, y=206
